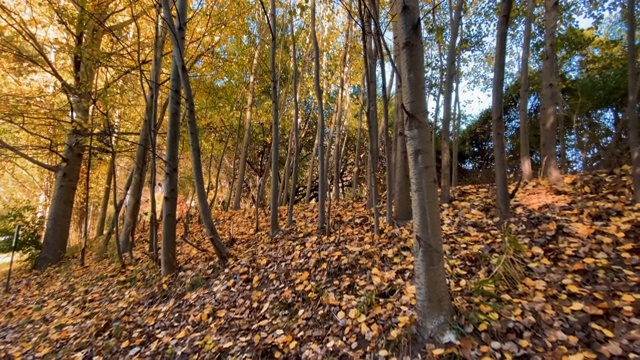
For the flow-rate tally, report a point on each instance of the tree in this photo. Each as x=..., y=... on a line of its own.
x=275, y=135
x=523, y=104
x=632, y=98
x=296, y=135
x=322, y=176
x=502, y=191
x=194, y=141
x=549, y=119
x=445, y=169
x=434, y=308
x=247, y=129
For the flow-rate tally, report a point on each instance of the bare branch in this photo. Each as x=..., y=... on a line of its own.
x=16, y=151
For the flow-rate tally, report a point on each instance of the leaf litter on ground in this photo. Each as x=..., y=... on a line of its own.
x=562, y=282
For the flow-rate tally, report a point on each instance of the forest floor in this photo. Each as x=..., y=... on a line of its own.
x=562, y=283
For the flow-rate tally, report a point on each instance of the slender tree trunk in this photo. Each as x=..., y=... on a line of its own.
x=85, y=235
x=385, y=116
x=456, y=130
x=434, y=308
x=445, y=169
x=205, y=213
x=402, y=183
x=314, y=153
x=356, y=173
x=497, y=106
x=322, y=176
x=169, y=262
x=115, y=219
x=217, y=181
x=104, y=204
x=523, y=103
x=247, y=131
x=117, y=206
x=275, y=145
x=296, y=135
x=548, y=118
x=632, y=99
x=372, y=106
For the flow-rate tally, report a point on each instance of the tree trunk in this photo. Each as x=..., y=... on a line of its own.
x=497, y=106
x=247, y=131
x=548, y=118
x=201, y=194
x=385, y=116
x=56, y=234
x=402, y=183
x=115, y=219
x=169, y=262
x=434, y=308
x=372, y=105
x=275, y=145
x=456, y=130
x=296, y=135
x=356, y=172
x=445, y=153
x=632, y=99
x=322, y=176
x=104, y=204
x=523, y=103
x=341, y=94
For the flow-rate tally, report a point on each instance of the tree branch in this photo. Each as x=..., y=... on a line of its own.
x=16, y=151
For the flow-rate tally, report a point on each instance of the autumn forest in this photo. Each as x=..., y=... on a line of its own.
x=323, y=179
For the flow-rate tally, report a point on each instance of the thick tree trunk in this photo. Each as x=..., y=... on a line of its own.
x=434, y=308
x=497, y=106
x=548, y=118
x=523, y=103
x=445, y=153
x=247, y=131
x=632, y=99
x=56, y=234
x=104, y=204
x=196, y=162
x=322, y=176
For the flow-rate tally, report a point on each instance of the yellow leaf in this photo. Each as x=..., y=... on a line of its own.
x=577, y=306
x=124, y=344
x=341, y=315
x=352, y=313
x=304, y=276
x=256, y=280
x=485, y=308
x=524, y=343
x=277, y=355
x=483, y=326
x=182, y=334
x=256, y=338
x=576, y=356
x=383, y=352
x=572, y=288
x=628, y=298
x=589, y=260
x=536, y=250
x=227, y=345
x=437, y=352
x=494, y=316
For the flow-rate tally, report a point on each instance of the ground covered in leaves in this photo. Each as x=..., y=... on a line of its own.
x=563, y=282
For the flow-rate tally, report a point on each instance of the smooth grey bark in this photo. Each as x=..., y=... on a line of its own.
x=275, y=135
x=434, y=309
x=219, y=170
x=457, y=117
x=445, y=153
x=322, y=176
x=247, y=130
x=632, y=99
x=402, y=184
x=342, y=89
x=548, y=106
x=296, y=135
x=104, y=204
x=497, y=122
x=116, y=205
x=85, y=233
x=194, y=142
x=169, y=262
x=523, y=102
